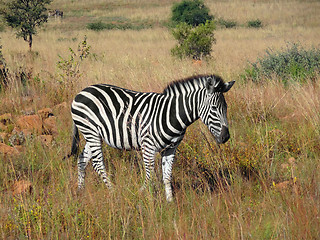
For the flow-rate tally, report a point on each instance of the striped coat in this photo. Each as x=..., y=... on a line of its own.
x=151, y=122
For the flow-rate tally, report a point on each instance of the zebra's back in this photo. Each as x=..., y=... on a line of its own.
x=120, y=116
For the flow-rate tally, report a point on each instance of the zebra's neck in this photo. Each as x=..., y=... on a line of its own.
x=187, y=96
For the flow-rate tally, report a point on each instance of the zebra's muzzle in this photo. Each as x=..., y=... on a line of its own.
x=224, y=135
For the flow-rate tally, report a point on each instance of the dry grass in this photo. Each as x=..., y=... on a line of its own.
x=243, y=199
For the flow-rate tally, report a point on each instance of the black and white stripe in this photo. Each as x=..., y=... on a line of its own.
x=151, y=122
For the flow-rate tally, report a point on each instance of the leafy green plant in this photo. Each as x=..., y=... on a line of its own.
x=70, y=68
x=97, y=26
x=120, y=25
x=128, y=26
x=194, y=42
x=227, y=23
x=192, y=12
x=2, y=27
x=254, y=23
x=292, y=63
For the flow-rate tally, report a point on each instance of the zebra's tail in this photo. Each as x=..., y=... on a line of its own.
x=75, y=143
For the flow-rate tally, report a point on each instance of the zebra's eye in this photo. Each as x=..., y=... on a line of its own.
x=213, y=108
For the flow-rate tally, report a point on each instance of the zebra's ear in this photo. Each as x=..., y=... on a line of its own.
x=227, y=86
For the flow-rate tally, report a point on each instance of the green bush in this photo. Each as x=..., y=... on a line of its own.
x=254, y=23
x=97, y=26
x=192, y=12
x=2, y=28
x=195, y=42
x=293, y=63
x=69, y=69
x=128, y=26
x=227, y=23
x=120, y=25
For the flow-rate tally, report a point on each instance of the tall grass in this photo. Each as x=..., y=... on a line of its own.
x=262, y=184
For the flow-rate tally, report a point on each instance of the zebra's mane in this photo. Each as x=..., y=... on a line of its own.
x=195, y=80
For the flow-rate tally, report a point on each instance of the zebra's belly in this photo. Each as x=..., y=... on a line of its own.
x=123, y=137
x=126, y=145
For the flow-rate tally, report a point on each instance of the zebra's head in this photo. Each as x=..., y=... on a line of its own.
x=213, y=109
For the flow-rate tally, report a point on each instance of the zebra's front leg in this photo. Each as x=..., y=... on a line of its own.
x=167, y=162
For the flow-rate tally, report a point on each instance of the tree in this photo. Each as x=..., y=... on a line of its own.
x=194, y=42
x=25, y=16
x=193, y=30
x=192, y=12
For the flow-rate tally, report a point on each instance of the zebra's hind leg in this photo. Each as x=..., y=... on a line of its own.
x=98, y=164
x=83, y=161
x=148, y=160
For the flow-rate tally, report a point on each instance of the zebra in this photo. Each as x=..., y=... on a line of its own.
x=146, y=121
x=55, y=13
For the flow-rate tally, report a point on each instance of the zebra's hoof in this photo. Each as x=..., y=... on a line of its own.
x=80, y=191
x=169, y=198
x=142, y=188
x=80, y=188
x=110, y=188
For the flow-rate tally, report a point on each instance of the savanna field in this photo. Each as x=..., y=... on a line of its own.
x=264, y=183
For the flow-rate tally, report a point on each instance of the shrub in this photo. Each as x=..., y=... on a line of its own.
x=227, y=23
x=69, y=69
x=192, y=12
x=128, y=26
x=195, y=42
x=97, y=26
x=293, y=63
x=254, y=23
x=2, y=28
x=120, y=25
